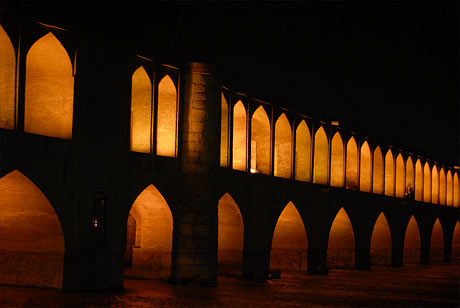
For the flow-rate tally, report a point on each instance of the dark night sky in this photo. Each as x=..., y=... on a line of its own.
x=389, y=69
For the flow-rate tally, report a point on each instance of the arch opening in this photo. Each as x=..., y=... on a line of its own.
x=377, y=172
x=456, y=244
x=303, y=153
x=410, y=178
x=321, y=157
x=442, y=187
x=224, y=132
x=400, y=186
x=365, y=168
x=418, y=181
x=7, y=81
x=427, y=183
x=341, y=244
x=449, y=189
x=456, y=190
x=412, y=242
x=283, y=148
x=437, y=242
x=167, y=118
x=260, y=142
x=32, y=245
x=337, y=161
x=239, y=137
x=351, y=176
x=381, y=244
x=389, y=174
x=434, y=185
x=141, y=111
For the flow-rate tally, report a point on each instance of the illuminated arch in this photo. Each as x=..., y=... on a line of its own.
x=283, y=148
x=141, y=111
x=437, y=242
x=7, y=81
x=289, y=244
x=377, y=172
x=351, y=175
x=434, y=185
x=167, y=117
x=239, y=137
x=337, y=161
x=400, y=186
x=341, y=244
x=427, y=183
x=449, y=189
x=32, y=242
x=260, y=142
x=389, y=174
x=49, y=89
x=365, y=169
x=412, y=242
x=456, y=190
x=456, y=243
x=230, y=236
x=381, y=244
x=224, y=132
x=410, y=176
x=321, y=157
x=442, y=187
x=303, y=153
x=151, y=250
x=418, y=181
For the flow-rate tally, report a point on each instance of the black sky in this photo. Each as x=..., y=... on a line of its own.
x=390, y=69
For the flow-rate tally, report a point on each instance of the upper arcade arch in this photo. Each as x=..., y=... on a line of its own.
x=283, y=148
x=377, y=174
x=442, y=187
x=141, y=111
x=337, y=161
x=365, y=168
x=427, y=183
x=419, y=181
x=321, y=157
x=400, y=185
x=167, y=118
x=389, y=174
x=303, y=153
x=260, y=142
x=239, y=148
x=351, y=175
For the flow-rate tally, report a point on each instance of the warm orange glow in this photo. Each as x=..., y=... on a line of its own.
x=412, y=242
x=377, y=172
x=389, y=174
x=321, y=159
x=230, y=236
x=450, y=189
x=442, y=187
x=427, y=183
x=32, y=242
x=365, y=168
x=283, y=148
x=167, y=117
x=239, y=137
x=418, y=181
x=456, y=243
x=456, y=190
x=49, y=89
x=290, y=244
x=351, y=176
x=341, y=245
x=224, y=129
x=400, y=188
x=260, y=141
x=303, y=153
x=337, y=161
x=7, y=81
x=434, y=185
x=141, y=111
x=437, y=242
x=381, y=242
x=410, y=176
x=151, y=255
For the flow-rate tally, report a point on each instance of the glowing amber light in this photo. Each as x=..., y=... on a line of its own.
x=224, y=132
x=449, y=188
x=230, y=236
x=32, y=242
x=389, y=174
x=289, y=244
x=410, y=181
x=377, y=174
x=141, y=111
x=303, y=153
x=260, y=142
x=456, y=190
x=7, y=81
x=412, y=242
x=434, y=185
x=321, y=157
x=49, y=89
x=167, y=117
x=239, y=137
x=427, y=183
x=365, y=168
x=456, y=243
x=351, y=175
x=337, y=163
x=341, y=245
x=153, y=240
x=418, y=181
x=381, y=242
x=400, y=188
x=442, y=187
x=282, y=159
x=437, y=242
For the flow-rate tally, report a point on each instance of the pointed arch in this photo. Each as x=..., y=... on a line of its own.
x=418, y=181
x=337, y=161
x=167, y=118
x=283, y=148
x=141, y=111
x=224, y=132
x=303, y=153
x=437, y=242
x=260, y=142
x=449, y=189
x=410, y=177
x=152, y=246
x=427, y=183
x=32, y=245
x=230, y=236
x=389, y=174
x=341, y=244
x=351, y=175
x=456, y=243
x=400, y=186
x=412, y=242
x=289, y=243
x=377, y=172
x=442, y=187
x=381, y=244
x=7, y=81
x=365, y=168
x=456, y=190
x=239, y=147
x=434, y=185
x=321, y=157
x=49, y=89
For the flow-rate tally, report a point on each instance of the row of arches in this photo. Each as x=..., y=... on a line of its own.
x=329, y=160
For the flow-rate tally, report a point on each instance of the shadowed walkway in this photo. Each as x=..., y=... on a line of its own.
x=414, y=285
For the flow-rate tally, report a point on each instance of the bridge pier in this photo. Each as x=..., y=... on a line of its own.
x=317, y=261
